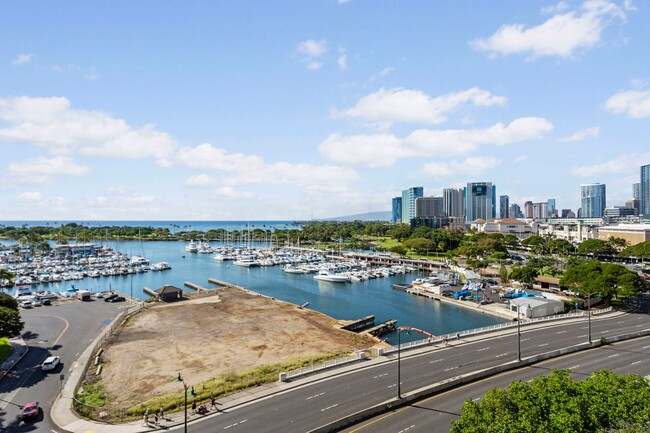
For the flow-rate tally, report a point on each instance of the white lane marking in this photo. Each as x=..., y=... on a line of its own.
x=604, y=332
x=620, y=322
x=501, y=355
x=574, y=367
x=391, y=386
x=314, y=396
x=581, y=336
x=451, y=368
x=542, y=345
x=406, y=429
x=485, y=348
x=380, y=375
x=329, y=407
x=235, y=424
x=613, y=356
x=638, y=326
x=636, y=362
x=437, y=360
x=585, y=327
x=560, y=332
x=525, y=339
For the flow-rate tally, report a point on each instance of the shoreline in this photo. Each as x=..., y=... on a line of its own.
x=493, y=309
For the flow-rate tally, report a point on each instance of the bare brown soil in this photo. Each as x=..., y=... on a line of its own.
x=210, y=336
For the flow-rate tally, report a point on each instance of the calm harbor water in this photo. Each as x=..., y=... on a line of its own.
x=341, y=301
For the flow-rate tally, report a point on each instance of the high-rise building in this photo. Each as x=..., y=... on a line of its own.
x=636, y=191
x=426, y=207
x=480, y=201
x=408, y=202
x=453, y=203
x=504, y=204
x=540, y=210
x=528, y=209
x=565, y=213
x=515, y=211
x=594, y=200
x=550, y=207
x=634, y=204
x=396, y=215
x=644, y=191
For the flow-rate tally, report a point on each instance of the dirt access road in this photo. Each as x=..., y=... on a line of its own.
x=210, y=336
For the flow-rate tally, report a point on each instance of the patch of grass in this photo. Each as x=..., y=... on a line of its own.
x=225, y=385
x=5, y=349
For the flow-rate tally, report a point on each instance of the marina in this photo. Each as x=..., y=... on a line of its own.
x=370, y=293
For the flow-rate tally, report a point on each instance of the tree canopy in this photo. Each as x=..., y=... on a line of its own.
x=10, y=323
x=638, y=250
x=609, y=279
x=557, y=403
x=8, y=301
x=596, y=247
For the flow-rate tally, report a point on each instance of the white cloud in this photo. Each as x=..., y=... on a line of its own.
x=582, y=135
x=624, y=164
x=382, y=73
x=388, y=106
x=562, y=35
x=228, y=192
x=342, y=61
x=383, y=150
x=207, y=156
x=120, y=197
x=474, y=166
x=29, y=197
x=314, y=66
x=559, y=7
x=520, y=158
x=52, y=124
x=200, y=180
x=312, y=48
x=22, y=59
x=635, y=103
x=36, y=199
x=44, y=167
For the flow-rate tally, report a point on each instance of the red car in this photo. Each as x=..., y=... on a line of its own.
x=29, y=410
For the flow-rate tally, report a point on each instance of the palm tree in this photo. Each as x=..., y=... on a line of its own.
x=6, y=278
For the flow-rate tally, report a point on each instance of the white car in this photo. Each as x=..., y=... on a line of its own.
x=26, y=304
x=50, y=363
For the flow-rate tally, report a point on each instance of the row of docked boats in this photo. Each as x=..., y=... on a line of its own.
x=107, y=263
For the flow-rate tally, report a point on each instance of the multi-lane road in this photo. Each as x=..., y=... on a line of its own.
x=65, y=329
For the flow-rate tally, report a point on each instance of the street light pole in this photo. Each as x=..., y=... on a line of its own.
x=518, y=334
x=185, y=387
x=589, y=314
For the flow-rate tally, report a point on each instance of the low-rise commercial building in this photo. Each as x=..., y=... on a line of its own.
x=632, y=233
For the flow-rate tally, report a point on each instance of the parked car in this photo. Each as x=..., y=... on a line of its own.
x=50, y=363
x=29, y=410
x=110, y=297
x=117, y=299
x=26, y=304
x=46, y=301
x=37, y=302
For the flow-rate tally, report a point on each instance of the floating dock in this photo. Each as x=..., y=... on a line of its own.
x=360, y=325
x=384, y=328
x=195, y=286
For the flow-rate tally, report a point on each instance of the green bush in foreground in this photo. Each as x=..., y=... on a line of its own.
x=5, y=349
x=603, y=403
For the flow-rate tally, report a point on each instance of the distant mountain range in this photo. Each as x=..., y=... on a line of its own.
x=368, y=216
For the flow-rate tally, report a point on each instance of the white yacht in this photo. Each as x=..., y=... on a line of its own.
x=246, y=261
x=191, y=247
x=325, y=275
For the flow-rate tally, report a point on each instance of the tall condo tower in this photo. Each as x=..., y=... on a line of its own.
x=396, y=215
x=408, y=202
x=644, y=191
x=480, y=201
x=550, y=207
x=594, y=200
x=504, y=204
x=428, y=207
x=453, y=202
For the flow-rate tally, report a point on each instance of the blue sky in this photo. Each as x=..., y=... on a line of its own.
x=231, y=110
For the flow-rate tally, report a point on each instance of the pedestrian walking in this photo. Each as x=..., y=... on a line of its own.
x=194, y=406
x=155, y=418
x=160, y=413
x=145, y=420
x=213, y=401
x=457, y=335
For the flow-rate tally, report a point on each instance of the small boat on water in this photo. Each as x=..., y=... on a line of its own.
x=192, y=247
x=246, y=261
x=325, y=275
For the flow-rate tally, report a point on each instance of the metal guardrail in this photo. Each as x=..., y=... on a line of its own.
x=325, y=365
x=485, y=329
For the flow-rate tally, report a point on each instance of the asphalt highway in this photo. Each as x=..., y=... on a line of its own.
x=318, y=403
x=65, y=329
x=436, y=413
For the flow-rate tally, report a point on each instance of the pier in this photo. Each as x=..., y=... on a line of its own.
x=195, y=286
x=360, y=324
x=383, y=328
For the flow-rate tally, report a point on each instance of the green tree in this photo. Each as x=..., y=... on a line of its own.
x=400, y=232
x=10, y=324
x=6, y=277
x=420, y=245
x=596, y=247
x=537, y=244
x=556, y=403
x=639, y=250
x=608, y=279
x=8, y=301
x=504, y=276
x=526, y=275
x=400, y=250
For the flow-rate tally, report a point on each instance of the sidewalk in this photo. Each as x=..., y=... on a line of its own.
x=19, y=349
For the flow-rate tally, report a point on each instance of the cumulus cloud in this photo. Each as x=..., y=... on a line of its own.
x=582, y=134
x=635, y=103
x=473, y=166
x=383, y=150
x=41, y=169
x=559, y=7
x=624, y=164
x=207, y=156
x=310, y=50
x=22, y=59
x=200, y=180
x=388, y=106
x=520, y=158
x=562, y=35
x=52, y=124
x=37, y=199
x=120, y=197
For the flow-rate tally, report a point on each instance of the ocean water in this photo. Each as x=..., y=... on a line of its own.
x=341, y=301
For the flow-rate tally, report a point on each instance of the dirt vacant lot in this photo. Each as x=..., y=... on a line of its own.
x=211, y=336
